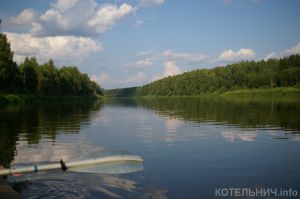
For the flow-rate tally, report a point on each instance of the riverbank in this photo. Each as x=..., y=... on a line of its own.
x=280, y=94
x=267, y=92
x=8, y=99
x=277, y=94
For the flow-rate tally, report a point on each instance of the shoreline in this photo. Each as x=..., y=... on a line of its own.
x=11, y=99
x=279, y=93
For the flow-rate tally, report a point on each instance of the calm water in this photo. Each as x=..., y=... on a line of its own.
x=190, y=146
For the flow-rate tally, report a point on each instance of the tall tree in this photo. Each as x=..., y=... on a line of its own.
x=48, y=79
x=8, y=68
x=29, y=74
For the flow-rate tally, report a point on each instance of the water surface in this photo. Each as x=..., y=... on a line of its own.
x=190, y=146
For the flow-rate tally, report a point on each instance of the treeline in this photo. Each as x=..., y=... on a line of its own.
x=30, y=77
x=272, y=73
x=121, y=92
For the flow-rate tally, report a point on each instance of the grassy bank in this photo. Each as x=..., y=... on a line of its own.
x=9, y=99
x=278, y=94
x=282, y=94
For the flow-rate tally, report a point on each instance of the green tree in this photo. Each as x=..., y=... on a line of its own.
x=29, y=74
x=8, y=68
x=48, y=76
x=261, y=74
x=69, y=80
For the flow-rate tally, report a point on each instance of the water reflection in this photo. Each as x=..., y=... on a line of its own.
x=172, y=124
x=76, y=185
x=27, y=125
x=236, y=113
x=42, y=133
x=73, y=185
x=189, y=145
x=64, y=148
x=243, y=136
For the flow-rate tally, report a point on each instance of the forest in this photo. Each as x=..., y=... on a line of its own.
x=284, y=72
x=30, y=77
x=33, y=78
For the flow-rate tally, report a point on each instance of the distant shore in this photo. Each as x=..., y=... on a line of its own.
x=10, y=99
x=279, y=93
x=264, y=92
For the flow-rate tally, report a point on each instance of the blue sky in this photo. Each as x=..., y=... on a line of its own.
x=130, y=43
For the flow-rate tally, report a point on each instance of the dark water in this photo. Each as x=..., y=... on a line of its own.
x=190, y=146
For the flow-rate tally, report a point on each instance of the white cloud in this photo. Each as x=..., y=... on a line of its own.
x=140, y=63
x=149, y=3
x=291, y=51
x=107, y=15
x=100, y=78
x=270, y=56
x=170, y=69
x=79, y=17
x=294, y=50
x=144, y=62
x=130, y=80
x=190, y=57
x=242, y=54
x=65, y=17
x=140, y=76
x=64, y=5
x=143, y=53
x=138, y=23
x=167, y=55
x=60, y=48
x=26, y=17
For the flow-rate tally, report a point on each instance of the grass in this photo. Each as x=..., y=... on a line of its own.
x=279, y=95
x=268, y=92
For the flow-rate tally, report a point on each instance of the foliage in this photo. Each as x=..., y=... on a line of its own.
x=121, y=92
x=32, y=78
x=272, y=73
x=29, y=74
x=8, y=68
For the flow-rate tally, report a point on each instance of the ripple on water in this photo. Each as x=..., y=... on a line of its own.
x=74, y=185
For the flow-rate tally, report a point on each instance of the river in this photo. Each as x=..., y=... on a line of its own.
x=192, y=147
